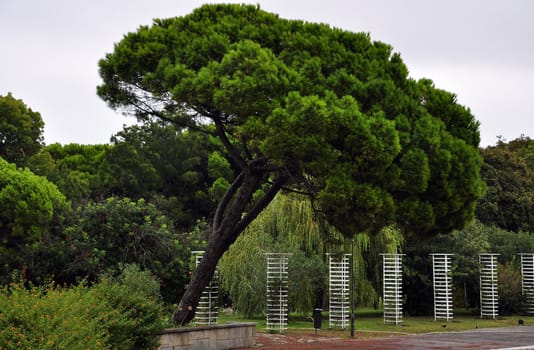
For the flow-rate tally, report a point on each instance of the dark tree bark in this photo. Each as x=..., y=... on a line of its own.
x=233, y=215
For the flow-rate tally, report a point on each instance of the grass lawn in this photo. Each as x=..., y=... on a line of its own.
x=370, y=323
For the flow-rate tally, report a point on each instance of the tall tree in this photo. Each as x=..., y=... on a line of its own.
x=305, y=107
x=160, y=161
x=509, y=173
x=21, y=130
x=75, y=169
x=30, y=208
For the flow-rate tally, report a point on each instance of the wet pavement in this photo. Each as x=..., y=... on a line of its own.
x=516, y=338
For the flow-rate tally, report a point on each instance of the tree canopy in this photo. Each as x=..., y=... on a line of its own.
x=305, y=107
x=30, y=206
x=508, y=171
x=74, y=168
x=159, y=159
x=21, y=130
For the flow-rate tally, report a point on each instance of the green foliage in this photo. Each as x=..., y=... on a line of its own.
x=417, y=284
x=290, y=225
x=121, y=231
x=115, y=232
x=42, y=163
x=218, y=188
x=478, y=238
x=242, y=272
x=466, y=245
x=160, y=162
x=308, y=280
x=509, y=173
x=29, y=203
x=52, y=318
x=219, y=167
x=30, y=209
x=508, y=244
x=21, y=130
x=138, y=308
x=368, y=263
x=75, y=169
x=114, y=315
x=511, y=300
x=138, y=281
x=332, y=108
x=43, y=240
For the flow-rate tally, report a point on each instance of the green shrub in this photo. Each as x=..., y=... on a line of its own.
x=109, y=315
x=511, y=300
x=135, y=296
x=53, y=318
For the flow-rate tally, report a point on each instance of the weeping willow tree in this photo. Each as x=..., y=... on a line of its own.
x=291, y=225
x=388, y=240
x=288, y=225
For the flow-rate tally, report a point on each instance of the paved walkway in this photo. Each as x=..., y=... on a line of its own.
x=517, y=338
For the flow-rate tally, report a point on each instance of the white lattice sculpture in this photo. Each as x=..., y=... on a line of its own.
x=442, y=281
x=277, y=289
x=338, y=296
x=489, y=296
x=208, y=307
x=392, y=288
x=527, y=277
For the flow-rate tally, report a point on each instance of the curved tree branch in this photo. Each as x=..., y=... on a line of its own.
x=221, y=133
x=226, y=199
x=262, y=203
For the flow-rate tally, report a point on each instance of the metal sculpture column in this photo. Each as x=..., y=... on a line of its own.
x=489, y=296
x=208, y=306
x=442, y=280
x=277, y=309
x=527, y=276
x=338, y=297
x=392, y=288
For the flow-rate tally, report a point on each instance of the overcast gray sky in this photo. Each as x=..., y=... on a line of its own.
x=482, y=50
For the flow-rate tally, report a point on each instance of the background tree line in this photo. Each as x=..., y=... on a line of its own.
x=145, y=198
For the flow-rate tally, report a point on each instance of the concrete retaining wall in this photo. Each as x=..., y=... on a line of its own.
x=216, y=337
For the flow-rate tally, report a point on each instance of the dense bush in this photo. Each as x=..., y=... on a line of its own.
x=511, y=299
x=109, y=315
x=30, y=209
x=134, y=299
x=118, y=231
x=50, y=317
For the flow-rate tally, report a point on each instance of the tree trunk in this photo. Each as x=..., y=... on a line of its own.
x=200, y=279
x=230, y=220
